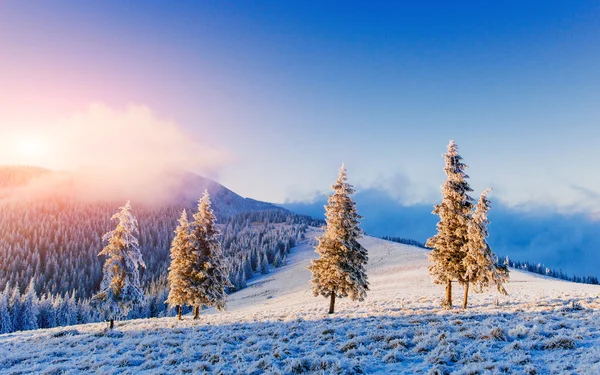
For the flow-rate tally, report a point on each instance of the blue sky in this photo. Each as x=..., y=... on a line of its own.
x=291, y=89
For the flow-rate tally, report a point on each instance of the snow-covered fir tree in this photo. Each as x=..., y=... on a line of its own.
x=209, y=276
x=481, y=265
x=15, y=310
x=120, y=290
x=66, y=313
x=29, y=309
x=340, y=269
x=180, y=270
x=6, y=325
x=47, y=313
x=448, y=245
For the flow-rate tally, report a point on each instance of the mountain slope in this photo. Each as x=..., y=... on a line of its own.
x=52, y=225
x=276, y=326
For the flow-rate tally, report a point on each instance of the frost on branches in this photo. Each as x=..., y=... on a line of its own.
x=29, y=308
x=120, y=288
x=448, y=245
x=481, y=265
x=209, y=273
x=340, y=269
x=180, y=270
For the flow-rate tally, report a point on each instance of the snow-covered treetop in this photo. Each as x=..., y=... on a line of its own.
x=124, y=236
x=205, y=216
x=454, y=167
x=480, y=215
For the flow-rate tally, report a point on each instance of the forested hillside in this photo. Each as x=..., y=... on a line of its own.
x=53, y=242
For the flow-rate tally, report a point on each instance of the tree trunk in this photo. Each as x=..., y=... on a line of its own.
x=179, y=312
x=449, y=294
x=332, y=302
x=111, y=325
x=196, y=312
x=466, y=296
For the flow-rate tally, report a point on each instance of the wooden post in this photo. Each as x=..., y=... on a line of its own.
x=466, y=296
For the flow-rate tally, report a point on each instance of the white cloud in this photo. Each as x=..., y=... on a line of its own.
x=130, y=139
x=120, y=154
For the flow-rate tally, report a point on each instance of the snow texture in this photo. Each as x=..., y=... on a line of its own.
x=276, y=326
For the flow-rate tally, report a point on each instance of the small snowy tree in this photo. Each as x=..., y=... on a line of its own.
x=29, y=308
x=182, y=257
x=66, y=311
x=47, y=316
x=264, y=264
x=14, y=304
x=340, y=269
x=209, y=276
x=481, y=265
x=448, y=245
x=120, y=288
x=6, y=325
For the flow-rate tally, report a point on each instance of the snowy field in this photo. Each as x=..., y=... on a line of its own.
x=276, y=326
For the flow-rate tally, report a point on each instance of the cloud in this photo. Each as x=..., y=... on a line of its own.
x=110, y=153
x=133, y=138
x=403, y=189
x=538, y=234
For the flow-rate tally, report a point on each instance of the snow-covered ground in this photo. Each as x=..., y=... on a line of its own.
x=276, y=326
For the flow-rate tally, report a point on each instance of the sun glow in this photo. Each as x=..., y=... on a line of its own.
x=29, y=149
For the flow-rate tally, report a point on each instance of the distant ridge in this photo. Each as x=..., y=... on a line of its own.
x=169, y=188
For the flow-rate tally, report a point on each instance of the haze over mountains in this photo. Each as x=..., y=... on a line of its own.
x=102, y=184
x=537, y=234
x=563, y=241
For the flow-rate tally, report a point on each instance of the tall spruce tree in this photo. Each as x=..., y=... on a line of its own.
x=340, y=269
x=209, y=275
x=481, y=265
x=448, y=245
x=182, y=258
x=120, y=288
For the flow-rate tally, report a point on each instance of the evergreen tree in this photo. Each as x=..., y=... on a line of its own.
x=29, y=308
x=182, y=257
x=120, y=289
x=481, y=265
x=340, y=269
x=209, y=276
x=84, y=313
x=6, y=325
x=448, y=245
x=47, y=316
x=15, y=308
x=264, y=264
x=72, y=308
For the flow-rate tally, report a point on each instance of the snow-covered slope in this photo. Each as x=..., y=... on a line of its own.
x=277, y=326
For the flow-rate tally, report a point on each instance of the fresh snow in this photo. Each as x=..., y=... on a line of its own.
x=276, y=326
